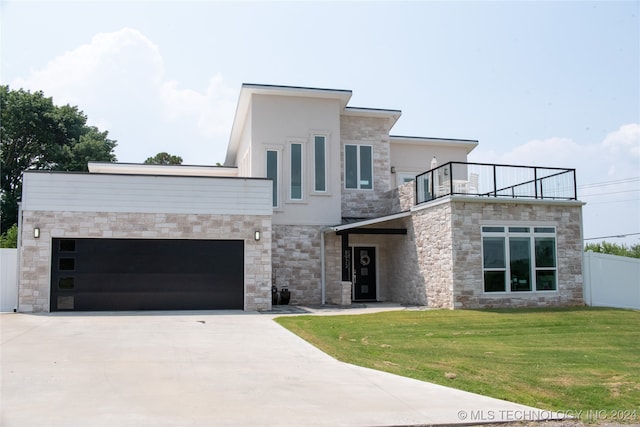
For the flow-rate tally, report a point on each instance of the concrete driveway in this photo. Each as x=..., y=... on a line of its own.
x=206, y=369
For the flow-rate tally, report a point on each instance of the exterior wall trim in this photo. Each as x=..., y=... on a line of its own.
x=471, y=199
x=495, y=200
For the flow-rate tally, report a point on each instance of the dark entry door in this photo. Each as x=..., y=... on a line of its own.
x=145, y=274
x=364, y=274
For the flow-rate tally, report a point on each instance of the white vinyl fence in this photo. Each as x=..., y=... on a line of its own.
x=611, y=281
x=8, y=279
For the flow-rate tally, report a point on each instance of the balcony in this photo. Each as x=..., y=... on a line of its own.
x=491, y=180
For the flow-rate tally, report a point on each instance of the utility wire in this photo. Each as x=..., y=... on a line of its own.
x=605, y=183
x=616, y=236
x=609, y=192
x=613, y=201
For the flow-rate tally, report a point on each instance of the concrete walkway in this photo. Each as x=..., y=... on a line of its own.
x=206, y=369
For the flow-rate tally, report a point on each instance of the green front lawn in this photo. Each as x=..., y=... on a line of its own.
x=556, y=359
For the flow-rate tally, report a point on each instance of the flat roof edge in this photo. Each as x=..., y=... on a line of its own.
x=84, y=173
x=156, y=165
x=372, y=110
x=433, y=138
x=285, y=87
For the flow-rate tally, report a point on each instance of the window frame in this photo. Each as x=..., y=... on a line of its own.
x=302, y=172
x=324, y=170
x=276, y=184
x=510, y=233
x=359, y=185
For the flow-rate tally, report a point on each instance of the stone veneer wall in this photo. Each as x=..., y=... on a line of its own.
x=467, y=218
x=432, y=230
x=333, y=268
x=35, y=256
x=402, y=198
x=296, y=262
x=375, y=132
x=439, y=264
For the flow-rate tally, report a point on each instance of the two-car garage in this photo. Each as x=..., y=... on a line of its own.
x=128, y=240
x=146, y=274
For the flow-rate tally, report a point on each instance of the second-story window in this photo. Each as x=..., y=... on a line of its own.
x=272, y=173
x=320, y=164
x=296, y=171
x=358, y=167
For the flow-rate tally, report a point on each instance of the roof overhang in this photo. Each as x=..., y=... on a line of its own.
x=244, y=101
x=366, y=222
x=392, y=116
x=468, y=144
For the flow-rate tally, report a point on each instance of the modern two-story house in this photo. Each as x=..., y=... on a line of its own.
x=316, y=196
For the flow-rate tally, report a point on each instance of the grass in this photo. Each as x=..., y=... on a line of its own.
x=555, y=359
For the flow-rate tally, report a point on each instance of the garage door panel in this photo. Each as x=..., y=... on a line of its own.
x=132, y=282
x=162, y=256
x=145, y=274
x=118, y=301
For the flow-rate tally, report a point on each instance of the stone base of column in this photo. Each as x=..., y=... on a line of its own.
x=345, y=293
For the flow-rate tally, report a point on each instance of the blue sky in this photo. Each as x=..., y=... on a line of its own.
x=537, y=83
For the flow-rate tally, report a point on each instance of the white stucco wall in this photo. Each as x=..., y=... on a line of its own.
x=412, y=156
x=277, y=121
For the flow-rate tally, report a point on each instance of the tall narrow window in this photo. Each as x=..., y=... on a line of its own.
x=366, y=167
x=358, y=164
x=296, y=171
x=520, y=263
x=272, y=173
x=495, y=267
x=351, y=166
x=320, y=166
x=545, y=263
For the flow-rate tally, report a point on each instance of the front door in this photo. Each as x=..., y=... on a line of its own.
x=364, y=274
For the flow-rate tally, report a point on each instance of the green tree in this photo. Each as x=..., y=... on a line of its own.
x=36, y=134
x=163, y=158
x=604, y=247
x=92, y=146
x=9, y=239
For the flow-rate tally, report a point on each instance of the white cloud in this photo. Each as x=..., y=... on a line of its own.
x=613, y=205
x=554, y=151
x=625, y=139
x=615, y=156
x=118, y=79
x=212, y=109
x=71, y=75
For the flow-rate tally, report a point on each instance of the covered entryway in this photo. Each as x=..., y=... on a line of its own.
x=146, y=274
x=364, y=274
x=367, y=258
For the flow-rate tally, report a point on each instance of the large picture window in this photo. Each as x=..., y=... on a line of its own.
x=358, y=167
x=519, y=259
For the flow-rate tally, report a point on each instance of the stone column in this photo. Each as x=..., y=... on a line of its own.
x=345, y=293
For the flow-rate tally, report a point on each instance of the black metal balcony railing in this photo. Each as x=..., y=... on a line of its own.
x=491, y=180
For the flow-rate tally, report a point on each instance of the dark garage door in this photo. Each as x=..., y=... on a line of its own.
x=145, y=274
